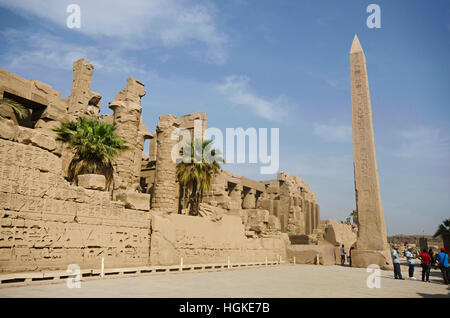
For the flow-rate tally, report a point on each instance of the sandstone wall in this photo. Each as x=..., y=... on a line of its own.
x=312, y=254
x=47, y=223
x=200, y=240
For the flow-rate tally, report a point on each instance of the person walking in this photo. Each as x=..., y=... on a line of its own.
x=410, y=258
x=426, y=265
x=342, y=255
x=350, y=256
x=442, y=258
x=396, y=262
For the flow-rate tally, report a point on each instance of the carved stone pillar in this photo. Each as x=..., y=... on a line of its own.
x=82, y=101
x=165, y=190
x=249, y=201
x=127, y=119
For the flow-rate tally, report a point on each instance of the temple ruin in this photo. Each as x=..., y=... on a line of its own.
x=48, y=223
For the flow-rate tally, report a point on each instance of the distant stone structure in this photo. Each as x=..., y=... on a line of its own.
x=421, y=241
x=371, y=245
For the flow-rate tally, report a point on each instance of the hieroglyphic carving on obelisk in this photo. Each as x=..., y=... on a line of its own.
x=371, y=245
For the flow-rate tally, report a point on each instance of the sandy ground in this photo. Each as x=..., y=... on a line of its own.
x=278, y=281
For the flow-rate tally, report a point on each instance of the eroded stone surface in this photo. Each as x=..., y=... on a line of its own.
x=134, y=200
x=92, y=181
x=8, y=130
x=127, y=120
x=47, y=223
x=165, y=190
x=198, y=240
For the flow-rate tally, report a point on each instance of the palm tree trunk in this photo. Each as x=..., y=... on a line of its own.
x=193, y=199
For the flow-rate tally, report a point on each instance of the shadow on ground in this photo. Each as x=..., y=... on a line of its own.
x=424, y=295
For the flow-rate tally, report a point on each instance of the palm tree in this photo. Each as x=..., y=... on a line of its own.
x=354, y=216
x=443, y=229
x=195, y=176
x=95, y=144
x=15, y=106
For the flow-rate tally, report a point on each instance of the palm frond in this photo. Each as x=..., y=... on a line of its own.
x=15, y=106
x=443, y=229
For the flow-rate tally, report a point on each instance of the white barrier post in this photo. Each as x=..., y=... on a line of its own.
x=102, y=270
x=181, y=264
x=294, y=260
x=266, y=261
x=228, y=261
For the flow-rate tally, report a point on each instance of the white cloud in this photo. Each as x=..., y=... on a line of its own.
x=138, y=23
x=45, y=50
x=333, y=133
x=238, y=92
x=423, y=142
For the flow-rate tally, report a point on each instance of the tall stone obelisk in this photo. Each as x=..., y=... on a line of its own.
x=371, y=244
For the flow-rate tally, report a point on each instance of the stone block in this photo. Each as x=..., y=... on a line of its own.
x=364, y=258
x=92, y=181
x=35, y=138
x=274, y=223
x=340, y=234
x=134, y=200
x=311, y=254
x=8, y=129
x=257, y=219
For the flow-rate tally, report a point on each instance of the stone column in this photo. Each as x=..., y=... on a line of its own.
x=236, y=197
x=311, y=217
x=165, y=190
x=371, y=244
x=305, y=205
x=152, y=147
x=193, y=121
x=317, y=215
x=82, y=101
x=249, y=201
x=127, y=119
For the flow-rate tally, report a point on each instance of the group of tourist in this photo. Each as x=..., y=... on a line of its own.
x=428, y=260
x=343, y=254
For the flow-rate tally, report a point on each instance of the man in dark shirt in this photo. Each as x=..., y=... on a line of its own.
x=431, y=253
x=426, y=264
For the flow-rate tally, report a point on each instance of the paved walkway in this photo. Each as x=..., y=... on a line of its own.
x=278, y=281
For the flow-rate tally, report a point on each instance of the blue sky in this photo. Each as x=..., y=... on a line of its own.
x=269, y=64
